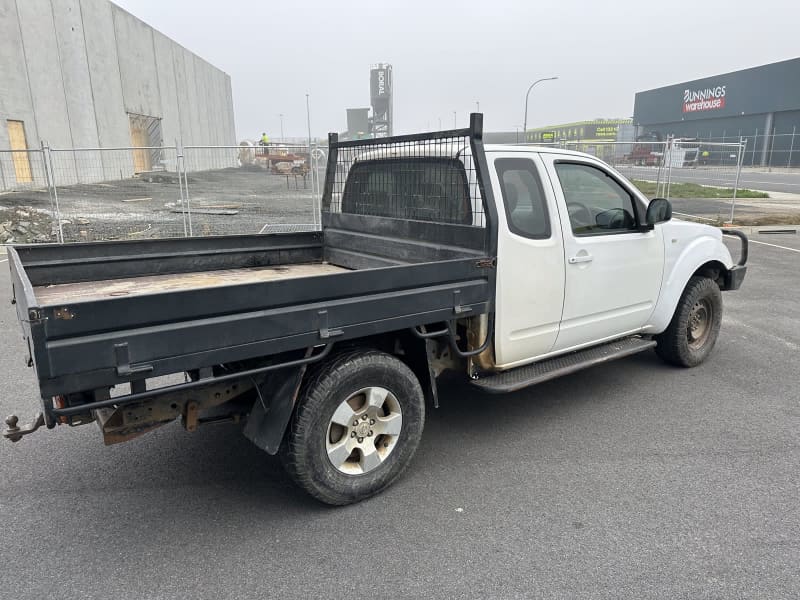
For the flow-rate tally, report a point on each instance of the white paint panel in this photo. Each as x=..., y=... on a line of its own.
x=616, y=289
x=530, y=280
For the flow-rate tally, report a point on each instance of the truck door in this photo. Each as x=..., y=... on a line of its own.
x=530, y=266
x=613, y=268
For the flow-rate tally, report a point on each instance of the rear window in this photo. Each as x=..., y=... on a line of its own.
x=421, y=189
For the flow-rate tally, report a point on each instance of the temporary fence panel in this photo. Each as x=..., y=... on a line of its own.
x=252, y=189
x=707, y=164
x=21, y=170
x=26, y=200
x=100, y=196
x=638, y=161
x=657, y=168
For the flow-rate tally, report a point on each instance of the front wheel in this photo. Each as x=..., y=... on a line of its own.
x=358, y=423
x=693, y=331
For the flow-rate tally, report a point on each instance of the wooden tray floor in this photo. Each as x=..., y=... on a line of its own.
x=153, y=284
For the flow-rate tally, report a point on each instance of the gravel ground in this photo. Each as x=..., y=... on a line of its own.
x=631, y=480
x=150, y=205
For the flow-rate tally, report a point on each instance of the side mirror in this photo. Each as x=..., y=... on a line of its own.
x=658, y=211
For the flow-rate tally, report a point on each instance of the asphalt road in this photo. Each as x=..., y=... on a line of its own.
x=632, y=480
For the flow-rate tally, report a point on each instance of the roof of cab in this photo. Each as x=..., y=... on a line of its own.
x=420, y=151
x=531, y=148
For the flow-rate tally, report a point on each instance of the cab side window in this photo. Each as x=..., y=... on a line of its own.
x=596, y=203
x=523, y=197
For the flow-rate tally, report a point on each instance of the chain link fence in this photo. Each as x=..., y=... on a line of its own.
x=92, y=194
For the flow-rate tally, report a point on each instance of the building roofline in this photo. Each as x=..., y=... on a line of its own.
x=736, y=72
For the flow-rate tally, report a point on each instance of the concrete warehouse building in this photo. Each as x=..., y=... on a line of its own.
x=761, y=104
x=88, y=74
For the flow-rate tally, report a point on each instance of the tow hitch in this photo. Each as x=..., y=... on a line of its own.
x=15, y=433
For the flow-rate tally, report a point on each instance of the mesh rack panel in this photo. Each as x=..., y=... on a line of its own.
x=432, y=177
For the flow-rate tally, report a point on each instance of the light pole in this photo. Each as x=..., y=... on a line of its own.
x=281, y=116
x=477, y=106
x=455, y=126
x=308, y=120
x=525, y=121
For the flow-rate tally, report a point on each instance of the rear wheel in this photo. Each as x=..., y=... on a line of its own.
x=693, y=331
x=358, y=423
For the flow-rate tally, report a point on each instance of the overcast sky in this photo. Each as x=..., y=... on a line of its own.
x=447, y=56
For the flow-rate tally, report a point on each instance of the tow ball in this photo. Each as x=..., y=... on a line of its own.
x=15, y=433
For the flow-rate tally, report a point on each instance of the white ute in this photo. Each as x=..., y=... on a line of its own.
x=509, y=265
x=588, y=270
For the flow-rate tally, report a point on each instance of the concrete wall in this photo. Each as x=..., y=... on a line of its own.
x=73, y=70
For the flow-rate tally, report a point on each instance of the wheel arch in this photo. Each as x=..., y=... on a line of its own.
x=706, y=257
x=267, y=426
x=714, y=270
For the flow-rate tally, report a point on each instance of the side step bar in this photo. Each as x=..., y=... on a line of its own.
x=522, y=377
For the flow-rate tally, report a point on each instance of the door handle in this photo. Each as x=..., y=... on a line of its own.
x=581, y=258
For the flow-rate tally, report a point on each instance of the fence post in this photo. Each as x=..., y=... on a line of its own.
x=186, y=210
x=181, y=201
x=791, y=148
x=313, y=159
x=670, y=146
x=660, y=166
x=742, y=146
x=2, y=174
x=52, y=188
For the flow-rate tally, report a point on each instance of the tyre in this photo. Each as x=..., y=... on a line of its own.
x=357, y=425
x=693, y=331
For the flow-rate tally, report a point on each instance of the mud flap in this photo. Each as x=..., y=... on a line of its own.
x=276, y=397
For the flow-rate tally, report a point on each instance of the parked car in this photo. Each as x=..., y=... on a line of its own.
x=510, y=265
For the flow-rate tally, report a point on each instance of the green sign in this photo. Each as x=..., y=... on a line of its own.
x=606, y=131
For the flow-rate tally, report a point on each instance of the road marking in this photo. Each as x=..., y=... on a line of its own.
x=749, y=181
x=693, y=216
x=775, y=246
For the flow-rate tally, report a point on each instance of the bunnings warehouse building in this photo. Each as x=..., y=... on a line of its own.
x=760, y=104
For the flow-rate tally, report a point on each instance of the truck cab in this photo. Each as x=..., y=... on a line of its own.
x=580, y=263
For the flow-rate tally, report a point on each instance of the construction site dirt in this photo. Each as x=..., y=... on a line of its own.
x=155, y=205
